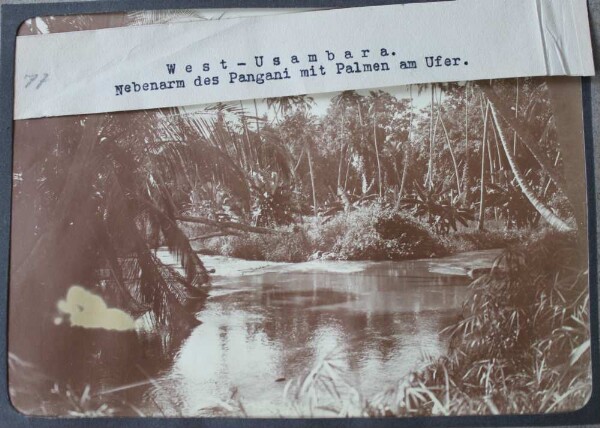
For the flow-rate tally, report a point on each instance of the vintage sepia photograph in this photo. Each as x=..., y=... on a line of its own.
x=410, y=251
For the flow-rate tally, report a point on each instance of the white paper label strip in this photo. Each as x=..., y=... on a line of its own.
x=191, y=63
